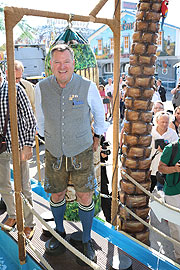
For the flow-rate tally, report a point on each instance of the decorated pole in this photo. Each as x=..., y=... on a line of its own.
x=10, y=22
x=116, y=32
x=137, y=136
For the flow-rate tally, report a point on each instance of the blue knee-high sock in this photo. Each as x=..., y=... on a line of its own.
x=86, y=214
x=58, y=210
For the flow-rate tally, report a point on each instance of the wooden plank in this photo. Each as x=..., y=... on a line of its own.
x=105, y=250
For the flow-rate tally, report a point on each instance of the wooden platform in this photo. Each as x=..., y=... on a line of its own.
x=105, y=250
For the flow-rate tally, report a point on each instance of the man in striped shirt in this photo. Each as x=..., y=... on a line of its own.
x=26, y=132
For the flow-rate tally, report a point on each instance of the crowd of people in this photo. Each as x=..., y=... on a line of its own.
x=60, y=108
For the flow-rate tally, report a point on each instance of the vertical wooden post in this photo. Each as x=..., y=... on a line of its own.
x=116, y=32
x=9, y=24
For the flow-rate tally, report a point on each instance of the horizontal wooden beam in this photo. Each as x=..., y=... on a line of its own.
x=20, y=12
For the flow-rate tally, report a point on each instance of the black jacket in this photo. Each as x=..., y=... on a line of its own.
x=162, y=93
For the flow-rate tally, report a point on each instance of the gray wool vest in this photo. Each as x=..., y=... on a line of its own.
x=67, y=127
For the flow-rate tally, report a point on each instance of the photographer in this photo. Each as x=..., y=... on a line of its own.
x=167, y=135
x=176, y=95
x=172, y=187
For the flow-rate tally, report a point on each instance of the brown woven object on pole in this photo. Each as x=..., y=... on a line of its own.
x=137, y=139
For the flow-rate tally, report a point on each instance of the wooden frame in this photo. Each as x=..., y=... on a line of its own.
x=12, y=16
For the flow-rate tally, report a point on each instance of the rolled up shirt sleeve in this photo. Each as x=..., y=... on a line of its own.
x=97, y=109
x=39, y=111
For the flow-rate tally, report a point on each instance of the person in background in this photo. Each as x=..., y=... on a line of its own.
x=27, y=86
x=157, y=107
x=109, y=88
x=102, y=93
x=172, y=189
x=26, y=132
x=122, y=99
x=160, y=130
x=176, y=122
x=156, y=97
x=176, y=95
x=64, y=103
x=161, y=90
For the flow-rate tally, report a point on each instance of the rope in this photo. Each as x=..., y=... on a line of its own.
x=39, y=256
x=141, y=220
x=149, y=226
x=150, y=194
x=60, y=239
x=7, y=228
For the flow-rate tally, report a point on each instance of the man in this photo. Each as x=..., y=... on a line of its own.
x=26, y=131
x=28, y=87
x=64, y=102
x=172, y=189
x=176, y=95
x=109, y=88
x=161, y=90
x=122, y=101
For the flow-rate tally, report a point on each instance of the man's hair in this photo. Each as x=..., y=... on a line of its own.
x=158, y=102
x=160, y=114
x=159, y=80
x=62, y=48
x=18, y=65
x=177, y=108
x=101, y=85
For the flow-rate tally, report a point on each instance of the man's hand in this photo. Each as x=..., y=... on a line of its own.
x=95, y=143
x=159, y=149
x=177, y=166
x=26, y=153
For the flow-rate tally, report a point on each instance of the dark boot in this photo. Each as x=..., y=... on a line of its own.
x=54, y=247
x=89, y=251
x=2, y=205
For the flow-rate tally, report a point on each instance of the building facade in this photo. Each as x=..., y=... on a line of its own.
x=168, y=51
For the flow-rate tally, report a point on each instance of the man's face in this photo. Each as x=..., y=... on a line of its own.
x=62, y=66
x=158, y=107
x=109, y=81
x=158, y=83
x=163, y=122
x=18, y=75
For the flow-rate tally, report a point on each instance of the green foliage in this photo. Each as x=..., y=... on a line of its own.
x=71, y=212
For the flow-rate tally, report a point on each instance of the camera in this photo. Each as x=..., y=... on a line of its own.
x=106, y=152
x=160, y=142
x=178, y=85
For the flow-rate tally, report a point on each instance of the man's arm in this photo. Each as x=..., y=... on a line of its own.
x=39, y=111
x=173, y=91
x=168, y=169
x=97, y=109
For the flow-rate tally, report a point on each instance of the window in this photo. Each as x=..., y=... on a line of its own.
x=111, y=45
x=126, y=44
x=100, y=46
x=108, y=68
x=160, y=41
